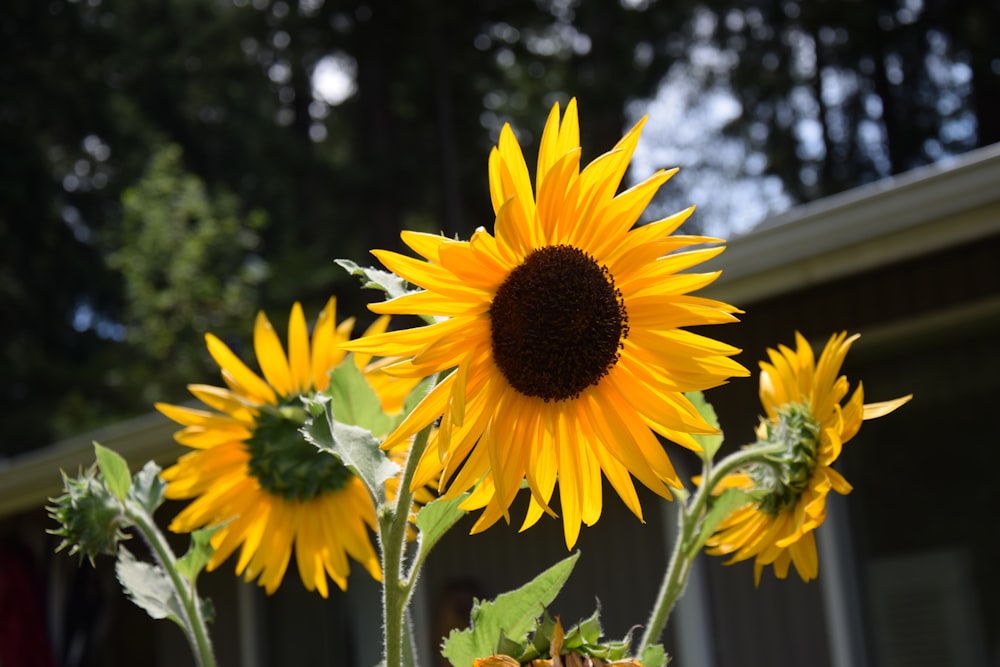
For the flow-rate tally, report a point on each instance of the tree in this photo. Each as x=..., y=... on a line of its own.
x=841, y=93
x=89, y=91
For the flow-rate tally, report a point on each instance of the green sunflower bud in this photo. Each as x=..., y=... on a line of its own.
x=90, y=517
x=785, y=474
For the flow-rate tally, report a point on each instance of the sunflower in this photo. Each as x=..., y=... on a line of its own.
x=254, y=473
x=560, y=336
x=802, y=401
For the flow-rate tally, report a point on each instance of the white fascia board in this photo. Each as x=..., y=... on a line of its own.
x=29, y=480
x=928, y=209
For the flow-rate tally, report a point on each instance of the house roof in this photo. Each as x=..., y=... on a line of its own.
x=935, y=207
x=29, y=480
x=946, y=204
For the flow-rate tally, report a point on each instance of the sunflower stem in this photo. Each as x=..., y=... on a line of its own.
x=397, y=587
x=195, y=627
x=686, y=547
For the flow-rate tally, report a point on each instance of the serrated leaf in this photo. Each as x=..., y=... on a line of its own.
x=512, y=614
x=356, y=447
x=508, y=646
x=541, y=638
x=586, y=632
x=435, y=519
x=617, y=650
x=722, y=506
x=148, y=586
x=114, y=470
x=710, y=444
x=149, y=488
x=353, y=401
x=373, y=278
x=199, y=553
x=654, y=656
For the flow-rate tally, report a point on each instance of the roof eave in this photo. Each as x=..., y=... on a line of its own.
x=927, y=209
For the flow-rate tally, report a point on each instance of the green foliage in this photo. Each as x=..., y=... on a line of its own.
x=199, y=553
x=721, y=507
x=190, y=265
x=114, y=469
x=91, y=520
x=372, y=278
x=91, y=515
x=584, y=638
x=149, y=587
x=345, y=420
x=148, y=487
x=511, y=615
x=435, y=519
x=353, y=401
x=354, y=445
x=654, y=656
x=710, y=444
x=517, y=624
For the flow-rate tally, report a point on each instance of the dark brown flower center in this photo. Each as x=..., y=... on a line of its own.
x=557, y=323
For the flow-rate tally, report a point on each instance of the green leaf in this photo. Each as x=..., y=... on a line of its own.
x=378, y=279
x=353, y=401
x=709, y=443
x=148, y=586
x=722, y=506
x=149, y=487
x=654, y=656
x=199, y=553
x=114, y=470
x=435, y=519
x=586, y=633
x=512, y=615
x=356, y=447
x=508, y=646
x=541, y=638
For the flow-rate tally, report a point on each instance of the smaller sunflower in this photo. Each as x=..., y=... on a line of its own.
x=802, y=398
x=252, y=471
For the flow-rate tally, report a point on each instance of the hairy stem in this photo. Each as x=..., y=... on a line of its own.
x=192, y=617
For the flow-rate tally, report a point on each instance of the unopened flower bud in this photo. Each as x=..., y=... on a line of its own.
x=90, y=517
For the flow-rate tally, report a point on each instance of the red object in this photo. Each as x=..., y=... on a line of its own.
x=23, y=637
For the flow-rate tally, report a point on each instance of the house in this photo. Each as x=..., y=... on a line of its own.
x=907, y=561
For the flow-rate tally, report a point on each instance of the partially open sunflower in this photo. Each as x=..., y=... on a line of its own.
x=802, y=399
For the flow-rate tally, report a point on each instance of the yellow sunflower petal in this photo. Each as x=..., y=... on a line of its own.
x=249, y=383
x=324, y=355
x=271, y=356
x=298, y=350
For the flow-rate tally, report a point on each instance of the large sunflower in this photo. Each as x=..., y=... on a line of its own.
x=563, y=335
x=802, y=401
x=252, y=468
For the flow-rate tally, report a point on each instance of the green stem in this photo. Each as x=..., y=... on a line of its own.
x=686, y=546
x=193, y=619
x=674, y=580
x=396, y=588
